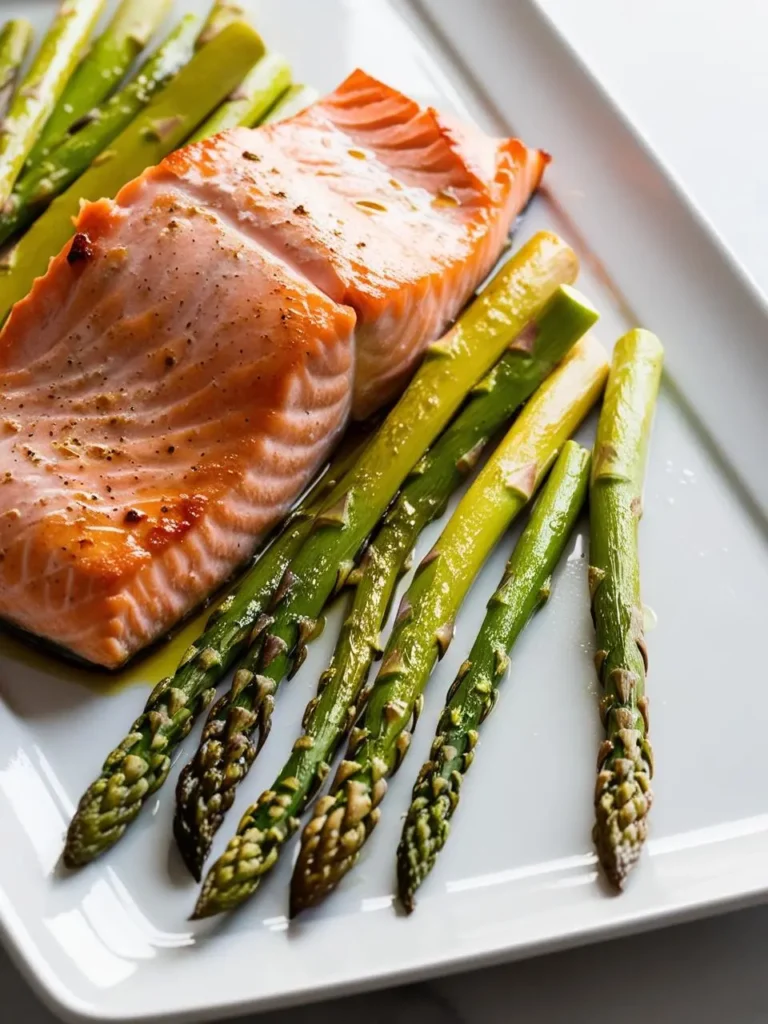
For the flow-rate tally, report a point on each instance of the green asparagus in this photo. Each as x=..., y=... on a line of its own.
x=207, y=785
x=222, y=14
x=42, y=86
x=251, y=100
x=524, y=588
x=625, y=760
x=15, y=40
x=38, y=187
x=423, y=630
x=267, y=825
x=101, y=71
x=166, y=122
x=139, y=765
x=298, y=98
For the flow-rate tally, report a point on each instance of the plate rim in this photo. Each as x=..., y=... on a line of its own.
x=56, y=994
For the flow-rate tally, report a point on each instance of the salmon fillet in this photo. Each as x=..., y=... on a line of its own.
x=189, y=360
x=396, y=211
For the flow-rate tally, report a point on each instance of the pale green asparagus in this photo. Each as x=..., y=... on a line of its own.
x=296, y=99
x=38, y=187
x=264, y=84
x=164, y=124
x=42, y=86
x=101, y=71
x=15, y=40
x=625, y=760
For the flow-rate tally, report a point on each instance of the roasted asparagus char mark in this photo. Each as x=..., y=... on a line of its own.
x=270, y=822
x=342, y=822
x=625, y=760
x=453, y=365
x=523, y=589
x=139, y=765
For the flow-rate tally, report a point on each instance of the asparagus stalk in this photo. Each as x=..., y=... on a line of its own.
x=101, y=71
x=343, y=820
x=269, y=823
x=139, y=765
x=40, y=185
x=247, y=105
x=165, y=123
x=43, y=85
x=625, y=760
x=296, y=99
x=523, y=589
x=222, y=14
x=15, y=40
x=517, y=293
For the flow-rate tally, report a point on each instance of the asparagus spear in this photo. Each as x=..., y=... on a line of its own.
x=15, y=40
x=342, y=821
x=40, y=185
x=523, y=589
x=101, y=71
x=222, y=14
x=206, y=787
x=269, y=823
x=43, y=85
x=253, y=97
x=166, y=122
x=625, y=761
x=139, y=765
x=298, y=98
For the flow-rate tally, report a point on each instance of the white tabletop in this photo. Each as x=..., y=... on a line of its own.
x=692, y=75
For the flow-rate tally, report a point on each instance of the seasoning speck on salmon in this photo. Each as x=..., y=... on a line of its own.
x=203, y=400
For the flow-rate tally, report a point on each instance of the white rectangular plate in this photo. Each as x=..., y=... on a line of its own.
x=519, y=875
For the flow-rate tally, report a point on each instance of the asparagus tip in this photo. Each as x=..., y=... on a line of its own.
x=102, y=816
x=407, y=901
x=237, y=874
x=616, y=860
x=302, y=898
x=621, y=827
x=331, y=843
x=192, y=852
x=206, y=906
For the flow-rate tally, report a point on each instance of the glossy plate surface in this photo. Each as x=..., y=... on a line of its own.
x=113, y=943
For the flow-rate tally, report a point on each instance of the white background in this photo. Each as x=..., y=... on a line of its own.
x=693, y=76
